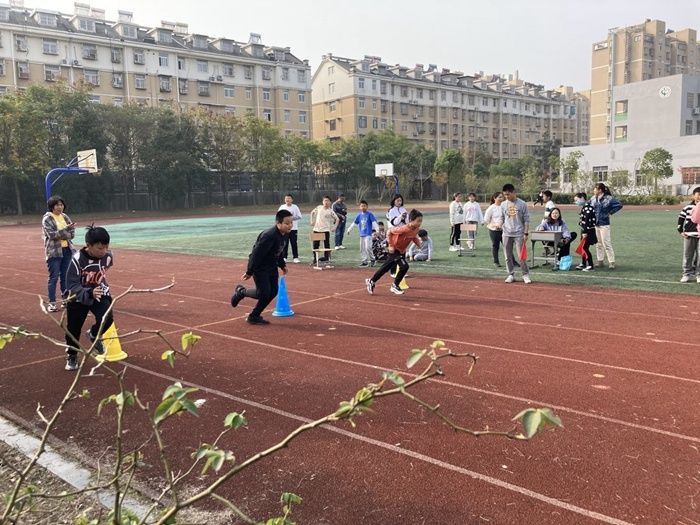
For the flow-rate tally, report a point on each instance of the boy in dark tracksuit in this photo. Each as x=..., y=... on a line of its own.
x=88, y=292
x=587, y=222
x=263, y=262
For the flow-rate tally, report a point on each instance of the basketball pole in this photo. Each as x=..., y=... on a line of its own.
x=58, y=173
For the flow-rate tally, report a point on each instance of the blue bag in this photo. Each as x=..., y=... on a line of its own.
x=565, y=263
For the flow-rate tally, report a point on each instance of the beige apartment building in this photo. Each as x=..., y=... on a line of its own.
x=125, y=62
x=632, y=54
x=440, y=108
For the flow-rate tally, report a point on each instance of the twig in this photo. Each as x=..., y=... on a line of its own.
x=235, y=509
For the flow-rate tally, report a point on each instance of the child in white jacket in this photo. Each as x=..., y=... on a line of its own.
x=472, y=215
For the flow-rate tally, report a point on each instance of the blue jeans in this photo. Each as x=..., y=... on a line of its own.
x=58, y=267
x=339, y=233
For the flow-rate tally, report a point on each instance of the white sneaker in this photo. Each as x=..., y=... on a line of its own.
x=370, y=286
x=296, y=260
x=454, y=248
x=510, y=279
x=341, y=247
x=52, y=307
x=337, y=247
x=460, y=248
x=685, y=278
x=395, y=289
x=698, y=279
x=526, y=279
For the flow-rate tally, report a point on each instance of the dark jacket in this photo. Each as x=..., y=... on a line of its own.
x=86, y=273
x=604, y=207
x=685, y=225
x=267, y=252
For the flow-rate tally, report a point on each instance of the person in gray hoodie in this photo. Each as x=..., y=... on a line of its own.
x=516, y=224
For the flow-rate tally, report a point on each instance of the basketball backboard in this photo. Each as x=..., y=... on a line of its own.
x=384, y=170
x=87, y=160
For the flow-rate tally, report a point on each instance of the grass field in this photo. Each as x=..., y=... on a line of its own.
x=648, y=249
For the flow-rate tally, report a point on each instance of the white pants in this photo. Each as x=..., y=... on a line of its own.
x=366, y=248
x=604, y=246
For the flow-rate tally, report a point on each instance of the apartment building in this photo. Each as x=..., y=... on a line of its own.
x=439, y=108
x=632, y=54
x=124, y=62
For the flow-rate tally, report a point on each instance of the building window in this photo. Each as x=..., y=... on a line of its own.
x=117, y=80
x=287, y=115
x=247, y=72
x=375, y=123
x=302, y=96
x=267, y=115
x=94, y=99
x=688, y=127
x=332, y=125
x=361, y=103
x=229, y=91
x=404, y=91
x=374, y=84
x=231, y=110
x=443, y=95
x=266, y=73
x=382, y=124
x=455, y=97
x=140, y=81
x=382, y=87
x=331, y=70
x=362, y=122
x=46, y=19
x=419, y=93
x=200, y=42
x=86, y=25
x=21, y=42
x=600, y=173
x=266, y=94
x=139, y=56
x=116, y=55
x=229, y=71
x=164, y=37
x=301, y=75
x=2, y=67
x=50, y=46
x=163, y=59
x=249, y=93
x=118, y=102
x=203, y=89
x=302, y=117
x=202, y=66
x=89, y=51
x=285, y=95
x=331, y=88
x=91, y=77
x=128, y=32
x=361, y=83
x=331, y=107
x=165, y=84
x=182, y=86
x=51, y=73
x=181, y=64
x=285, y=73
x=23, y=70
x=690, y=175
x=374, y=103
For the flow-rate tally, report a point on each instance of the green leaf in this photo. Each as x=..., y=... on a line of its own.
x=289, y=498
x=531, y=423
x=436, y=345
x=172, y=389
x=551, y=418
x=415, y=356
x=535, y=420
x=4, y=339
x=85, y=394
x=344, y=408
x=167, y=408
x=189, y=339
x=394, y=377
x=104, y=403
x=235, y=420
x=189, y=406
x=169, y=356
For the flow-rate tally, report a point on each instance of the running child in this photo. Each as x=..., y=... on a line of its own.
x=88, y=291
x=366, y=223
x=398, y=240
x=263, y=262
x=425, y=251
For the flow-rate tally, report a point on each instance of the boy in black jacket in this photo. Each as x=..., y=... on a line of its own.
x=88, y=292
x=263, y=262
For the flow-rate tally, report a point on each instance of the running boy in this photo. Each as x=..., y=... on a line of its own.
x=88, y=292
x=367, y=223
x=398, y=239
x=516, y=224
x=425, y=251
x=263, y=262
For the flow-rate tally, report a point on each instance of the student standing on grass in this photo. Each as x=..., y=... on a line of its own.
x=89, y=292
x=690, y=232
x=493, y=218
x=472, y=215
x=456, y=221
x=604, y=205
x=588, y=231
x=398, y=240
x=296, y=217
x=324, y=220
x=263, y=262
x=341, y=210
x=58, y=232
x=366, y=223
x=516, y=223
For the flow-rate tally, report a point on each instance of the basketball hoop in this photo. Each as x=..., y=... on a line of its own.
x=87, y=160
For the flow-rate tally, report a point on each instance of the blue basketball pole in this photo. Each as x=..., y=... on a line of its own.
x=49, y=181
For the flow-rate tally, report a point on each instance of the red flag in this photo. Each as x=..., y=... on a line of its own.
x=523, y=251
x=580, y=250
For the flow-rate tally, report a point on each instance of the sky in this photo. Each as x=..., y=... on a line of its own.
x=547, y=41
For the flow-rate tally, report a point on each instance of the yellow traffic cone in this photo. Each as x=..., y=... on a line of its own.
x=112, y=346
x=403, y=284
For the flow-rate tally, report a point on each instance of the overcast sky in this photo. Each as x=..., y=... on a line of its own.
x=547, y=41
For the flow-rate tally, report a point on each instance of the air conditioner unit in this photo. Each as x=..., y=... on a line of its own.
x=212, y=78
x=64, y=61
x=219, y=78
x=76, y=63
x=696, y=111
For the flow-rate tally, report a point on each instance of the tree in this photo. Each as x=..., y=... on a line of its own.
x=620, y=181
x=264, y=153
x=545, y=151
x=449, y=170
x=569, y=167
x=656, y=165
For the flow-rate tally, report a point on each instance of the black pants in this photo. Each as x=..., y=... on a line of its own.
x=565, y=247
x=591, y=239
x=293, y=242
x=496, y=241
x=455, y=234
x=77, y=313
x=265, y=291
x=326, y=245
x=394, y=259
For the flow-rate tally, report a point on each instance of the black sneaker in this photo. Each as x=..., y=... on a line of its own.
x=99, y=349
x=71, y=362
x=362, y=264
x=256, y=320
x=237, y=295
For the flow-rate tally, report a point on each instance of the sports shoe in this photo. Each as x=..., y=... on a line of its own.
x=698, y=279
x=370, y=286
x=599, y=264
x=526, y=279
x=237, y=296
x=460, y=248
x=340, y=247
x=373, y=262
x=395, y=289
x=52, y=307
x=580, y=266
x=498, y=265
x=589, y=269
x=685, y=278
x=363, y=263
x=256, y=320
x=510, y=279
x=71, y=362
x=611, y=266
x=337, y=248
x=454, y=248
x=296, y=260
x=99, y=348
